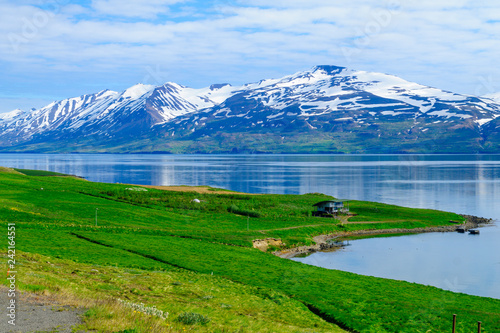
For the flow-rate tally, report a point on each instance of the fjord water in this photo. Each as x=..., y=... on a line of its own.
x=468, y=184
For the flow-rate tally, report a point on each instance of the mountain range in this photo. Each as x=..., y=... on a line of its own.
x=327, y=109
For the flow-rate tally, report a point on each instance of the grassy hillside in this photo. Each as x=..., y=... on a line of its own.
x=228, y=306
x=164, y=248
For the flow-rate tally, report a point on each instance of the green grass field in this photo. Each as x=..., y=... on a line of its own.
x=161, y=248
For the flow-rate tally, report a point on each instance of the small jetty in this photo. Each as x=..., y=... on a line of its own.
x=474, y=232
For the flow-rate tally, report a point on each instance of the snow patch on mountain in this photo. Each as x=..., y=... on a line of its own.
x=448, y=114
x=137, y=91
x=495, y=97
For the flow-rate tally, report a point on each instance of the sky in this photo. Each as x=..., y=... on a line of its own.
x=56, y=49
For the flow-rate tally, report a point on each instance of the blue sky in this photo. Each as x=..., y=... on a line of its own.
x=50, y=50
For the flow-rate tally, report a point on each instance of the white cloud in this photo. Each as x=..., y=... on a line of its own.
x=447, y=44
x=133, y=8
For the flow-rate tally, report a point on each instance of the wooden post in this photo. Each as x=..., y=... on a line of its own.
x=454, y=323
x=478, y=327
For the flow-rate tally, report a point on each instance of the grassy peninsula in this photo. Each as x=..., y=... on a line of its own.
x=188, y=252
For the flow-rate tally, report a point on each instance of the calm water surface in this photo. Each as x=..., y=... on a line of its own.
x=460, y=183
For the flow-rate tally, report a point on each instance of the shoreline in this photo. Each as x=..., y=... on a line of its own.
x=321, y=241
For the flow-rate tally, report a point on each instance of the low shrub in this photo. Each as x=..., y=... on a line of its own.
x=191, y=318
x=235, y=210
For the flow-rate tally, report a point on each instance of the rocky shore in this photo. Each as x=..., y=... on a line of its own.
x=322, y=242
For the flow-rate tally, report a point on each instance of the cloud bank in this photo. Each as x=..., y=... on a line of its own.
x=57, y=49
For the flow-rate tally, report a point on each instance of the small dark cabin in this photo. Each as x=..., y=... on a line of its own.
x=332, y=207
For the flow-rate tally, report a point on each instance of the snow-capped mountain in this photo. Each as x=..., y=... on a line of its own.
x=336, y=105
x=325, y=109
x=108, y=113
x=336, y=91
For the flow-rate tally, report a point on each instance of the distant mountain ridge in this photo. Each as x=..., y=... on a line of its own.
x=327, y=109
x=106, y=113
x=495, y=97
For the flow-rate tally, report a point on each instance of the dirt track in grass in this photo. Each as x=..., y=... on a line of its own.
x=38, y=313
